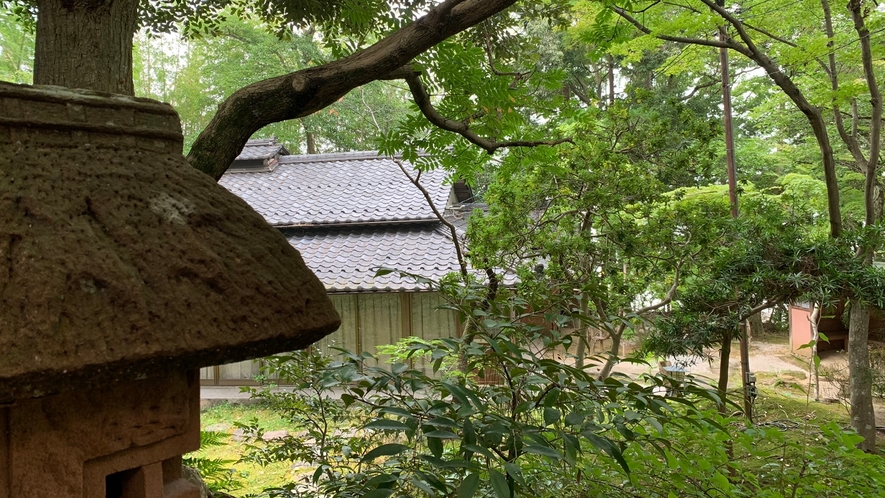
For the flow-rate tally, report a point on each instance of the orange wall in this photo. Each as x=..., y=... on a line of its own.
x=800, y=329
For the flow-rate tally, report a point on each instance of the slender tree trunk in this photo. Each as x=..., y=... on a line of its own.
x=85, y=44
x=863, y=419
x=815, y=335
x=581, y=350
x=611, y=80
x=724, y=357
x=754, y=326
x=311, y=143
x=584, y=333
x=616, y=335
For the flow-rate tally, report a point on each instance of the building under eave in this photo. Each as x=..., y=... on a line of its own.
x=350, y=214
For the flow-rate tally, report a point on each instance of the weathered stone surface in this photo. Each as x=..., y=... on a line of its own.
x=119, y=261
x=67, y=444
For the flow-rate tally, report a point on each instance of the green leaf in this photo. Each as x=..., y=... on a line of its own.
x=421, y=485
x=542, y=450
x=608, y=447
x=443, y=421
x=499, y=484
x=575, y=418
x=387, y=425
x=571, y=445
x=478, y=449
x=469, y=433
x=551, y=416
x=436, y=446
x=468, y=486
x=442, y=435
x=515, y=472
x=657, y=425
x=380, y=479
x=384, y=450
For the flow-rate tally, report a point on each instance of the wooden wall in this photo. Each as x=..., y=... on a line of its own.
x=367, y=321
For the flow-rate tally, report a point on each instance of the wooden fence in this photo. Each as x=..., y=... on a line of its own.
x=367, y=321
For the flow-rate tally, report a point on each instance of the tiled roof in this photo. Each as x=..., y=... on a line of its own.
x=264, y=148
x=336, y=189
x=345, y=259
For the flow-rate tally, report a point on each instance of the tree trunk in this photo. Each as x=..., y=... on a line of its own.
x=863, y=418
x=724, y=357
x=584, y=334
x=581, y=350
x=814, y=318
x=85, y=44
x=611, y=80
x=311, y=143
x=616, y=335
x=754, y=326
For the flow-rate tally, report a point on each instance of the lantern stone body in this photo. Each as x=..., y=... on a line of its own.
x=123, y=271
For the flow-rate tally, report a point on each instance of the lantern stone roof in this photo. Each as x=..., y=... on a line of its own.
x=121, y=261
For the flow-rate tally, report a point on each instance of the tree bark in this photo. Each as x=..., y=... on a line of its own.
x=863, y=419
x=85, y=44
x=304, y=92
x=584, y=334
x=724, y=358
x=860, y=376
x=613, y=351
x=814, y=319
x=754, y=326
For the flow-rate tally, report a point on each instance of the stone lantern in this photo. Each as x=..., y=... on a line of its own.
x=122, y=271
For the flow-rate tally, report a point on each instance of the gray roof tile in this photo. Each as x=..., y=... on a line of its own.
x=265, y=148
x=337, y=189
x=345, y=259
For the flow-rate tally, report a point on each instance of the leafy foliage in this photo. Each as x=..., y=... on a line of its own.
x=776, y=253
x=198, y=79
x=400, y=431
x=546, y=429
x=216, y=472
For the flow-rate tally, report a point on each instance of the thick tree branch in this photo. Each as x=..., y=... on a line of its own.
x=422, y=99
x=304, y=92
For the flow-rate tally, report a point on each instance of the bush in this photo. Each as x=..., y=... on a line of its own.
x=549, y=429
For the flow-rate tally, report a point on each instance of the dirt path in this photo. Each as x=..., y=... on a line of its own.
x=771, y=362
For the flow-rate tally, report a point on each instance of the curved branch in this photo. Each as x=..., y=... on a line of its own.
x=416, y=181
x=678, y=39
x=304, y=92
x=422, y=99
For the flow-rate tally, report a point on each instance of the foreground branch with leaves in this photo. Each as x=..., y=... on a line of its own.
x=547, y=428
